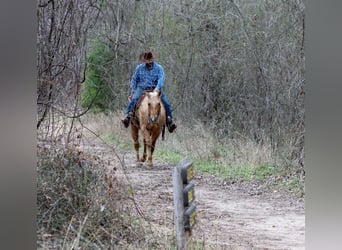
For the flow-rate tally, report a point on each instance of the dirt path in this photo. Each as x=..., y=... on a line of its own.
x=230, y=215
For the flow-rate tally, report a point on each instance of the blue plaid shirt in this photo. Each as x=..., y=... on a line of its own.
x=148, y=78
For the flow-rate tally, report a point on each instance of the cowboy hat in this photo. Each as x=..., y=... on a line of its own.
x=147, y=57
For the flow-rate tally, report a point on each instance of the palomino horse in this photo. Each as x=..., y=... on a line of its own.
x=149, y=118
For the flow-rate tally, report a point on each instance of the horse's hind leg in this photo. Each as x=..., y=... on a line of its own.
x=135, y=136
x=144, y=153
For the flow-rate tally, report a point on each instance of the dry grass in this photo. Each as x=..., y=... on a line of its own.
x=83, y=206
x=192, y=141
x=80, y=205
x=236, y=157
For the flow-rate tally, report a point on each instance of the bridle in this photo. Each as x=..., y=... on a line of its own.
x=153, y=121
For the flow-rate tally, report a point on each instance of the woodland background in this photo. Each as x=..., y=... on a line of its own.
x=236, y=67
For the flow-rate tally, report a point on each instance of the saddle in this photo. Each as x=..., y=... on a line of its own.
x=132, y=115
x=137, y=105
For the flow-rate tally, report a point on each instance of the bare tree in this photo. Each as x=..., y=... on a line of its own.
x=237, y=66
x=61, y=45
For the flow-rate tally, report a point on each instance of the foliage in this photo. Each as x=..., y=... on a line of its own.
x=96, y=91
x=237, y=66
x=234, y=77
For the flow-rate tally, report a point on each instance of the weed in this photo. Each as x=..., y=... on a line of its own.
x=236, y=158
x=81, y=205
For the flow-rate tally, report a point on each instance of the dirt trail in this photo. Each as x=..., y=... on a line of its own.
x=230, y=215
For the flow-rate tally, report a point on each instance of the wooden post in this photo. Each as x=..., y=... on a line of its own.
x=178, y=206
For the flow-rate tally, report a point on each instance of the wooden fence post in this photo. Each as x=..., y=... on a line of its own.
x=178, y=207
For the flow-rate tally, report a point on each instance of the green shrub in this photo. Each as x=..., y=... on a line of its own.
x=96, y=90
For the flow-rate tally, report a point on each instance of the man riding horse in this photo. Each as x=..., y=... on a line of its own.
x=148, y=76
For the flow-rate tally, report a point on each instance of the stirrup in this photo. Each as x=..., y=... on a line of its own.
x=125, y=121
x=170, y=125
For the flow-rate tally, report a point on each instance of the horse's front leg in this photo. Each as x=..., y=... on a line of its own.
x=154, y=138
x=150, y=149
x=149, y=155
x=147, y=148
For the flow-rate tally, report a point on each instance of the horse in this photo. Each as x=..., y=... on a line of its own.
x=149, y=118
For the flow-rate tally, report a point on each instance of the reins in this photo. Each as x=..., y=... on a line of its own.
x=150, y=119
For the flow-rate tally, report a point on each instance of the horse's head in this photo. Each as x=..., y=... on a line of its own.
x=154, y=106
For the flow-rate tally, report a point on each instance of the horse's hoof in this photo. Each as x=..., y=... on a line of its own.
x=150, y=164
x=143, y=159
x=139, y=163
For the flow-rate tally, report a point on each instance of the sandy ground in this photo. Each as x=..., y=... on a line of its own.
x=230, y=215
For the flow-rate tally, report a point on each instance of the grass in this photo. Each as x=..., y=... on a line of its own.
x=78, y=208
x=236, y=158
x=168, y=156
x=245, y=173
x=116, y=140
x=294, y=184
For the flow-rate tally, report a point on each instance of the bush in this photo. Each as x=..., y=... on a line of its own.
x=96, y=91
x=79, y=204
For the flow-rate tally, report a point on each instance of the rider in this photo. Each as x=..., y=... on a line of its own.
x=148, y=76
